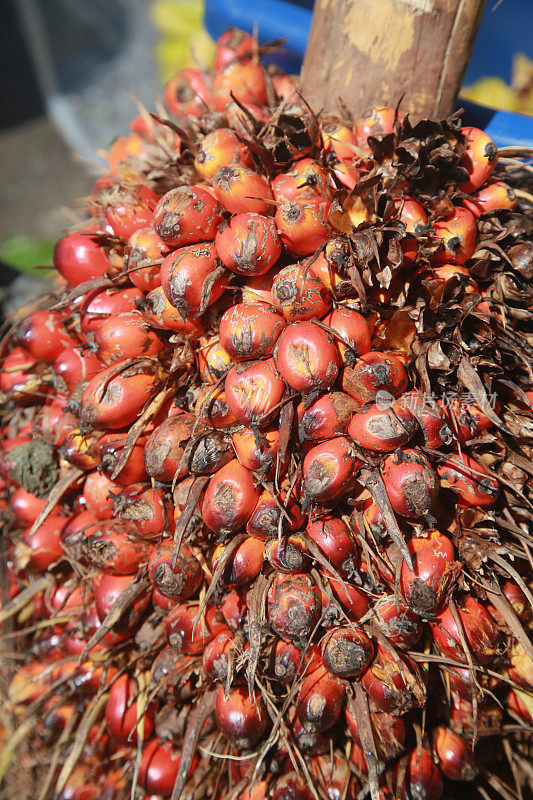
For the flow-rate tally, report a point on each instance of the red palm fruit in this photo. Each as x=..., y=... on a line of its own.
x=299, y=294
x=333, y=537
x=285, y=84
x=382, y=429
x=115, y=397
x=265, y=518
x=289, y=787
x=346, y=175
x=467, y=420
x=122, y=712
x=428, y=585
x=460, y=276
x=222, y=147
x=36, y=552
x=422, y=780
x=179, y=625
x=430, y=417
x=178, y=582
x=481, y=632
x=54, y=718
x=68, y=596
x=245, y=563
x=328, y=274
x=99, y=492
x=248, y=244
x=415, y=220
x=18, y=369
x=324, y=418
x=212, y=408
x=286, y=661
x=253, y=391
x=125, y=336
x=215, y=658
x=25, y=506
x=328, y=470
x=234, y=609
x=294, y=606
x=43, y=335
x=373, y=374
x=145, y=506
x=159, y=768
x=307, y=357
x=400, y=625
x=250, y=330
x=76, y=363
x=353, y=332
x=77, y=633
x=212, y=359
x=242, y=190
x=410, y=482
x=242, y=80
x=373, y=520
x=470, y=480
x=162, y=314
x=188, y=92
x=114, y=547
x=347, y=652
x=187, y=215
x=234, y=43
x=101, y=303
x=458, y=236
x=123, y=150
x=53, y=423
x=517, y=706
x=187, y=274
x=258, y=288
x=165, y=448
x=394, y=682
x=78, y=257
x=72, y=533
x=108, y=590
x=388, y=730
x=377, y=121
x=80, y=450
x=287, y=556
x=520, y=667
x=302, y=224
x=518, y=600
x=480, y=158
x=306, y=178
x=208, y=452
x=144, y=254
x=129, y=208
x=229, y=499
x=29, y=682
x=454, y=757
x=354, y=602
x=110, y=449
x=495, y=196
x=320, y=700
x=257, y=452
x=340, y=140
x=241, y=719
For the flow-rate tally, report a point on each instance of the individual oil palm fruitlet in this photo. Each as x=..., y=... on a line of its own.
x=266, y=462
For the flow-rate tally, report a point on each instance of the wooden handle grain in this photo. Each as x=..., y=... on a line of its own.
x=371, y=52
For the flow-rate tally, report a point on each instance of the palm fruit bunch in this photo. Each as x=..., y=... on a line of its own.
x=266, y=462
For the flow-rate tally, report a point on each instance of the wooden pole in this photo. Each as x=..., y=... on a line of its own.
x=370, y=52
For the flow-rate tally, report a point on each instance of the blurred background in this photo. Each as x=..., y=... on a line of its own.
x=73, y=68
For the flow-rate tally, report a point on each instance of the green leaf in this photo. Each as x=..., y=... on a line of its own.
x=26, y=254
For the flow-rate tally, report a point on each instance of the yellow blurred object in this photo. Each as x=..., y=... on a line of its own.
x=184, y=40
x=495, y=93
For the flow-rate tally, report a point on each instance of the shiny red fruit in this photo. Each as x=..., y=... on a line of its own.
x=187, y=215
